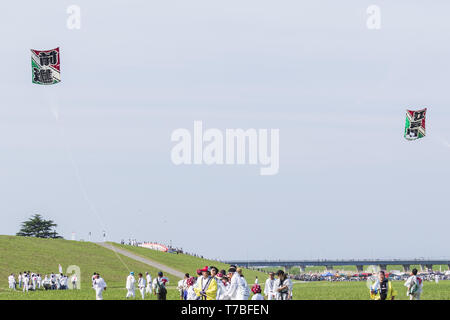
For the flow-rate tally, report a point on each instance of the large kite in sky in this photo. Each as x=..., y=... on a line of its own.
x=415, y=124
x=45, y=66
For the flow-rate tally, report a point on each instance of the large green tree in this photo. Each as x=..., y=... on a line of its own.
x=38, y=227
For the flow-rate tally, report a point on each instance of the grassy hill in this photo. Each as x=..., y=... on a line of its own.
x=44, y=255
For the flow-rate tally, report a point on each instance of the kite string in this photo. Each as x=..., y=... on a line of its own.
x=69, y=153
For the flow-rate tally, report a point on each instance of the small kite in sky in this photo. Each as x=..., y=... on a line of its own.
x=45, y=66
x=415, y=124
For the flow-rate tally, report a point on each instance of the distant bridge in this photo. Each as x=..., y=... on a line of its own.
x=329, y=264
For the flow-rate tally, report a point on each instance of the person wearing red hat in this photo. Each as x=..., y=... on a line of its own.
x=191, y=295
x=206, y=287
x=256, y=289
x=222, y=282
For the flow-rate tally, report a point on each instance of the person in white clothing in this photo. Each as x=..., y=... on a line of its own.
x=235, y=281
x=222, y=282
x=244, y=290
x=256, y=289
x=141, y=285
x=33, y=281
x=130, y=285
x=283, y=286
x=191, y=295
x=269, y=287
x=182, y=286
x=39, y=281
x=19, y=278
x=46, y=283
x=148, y=289
x=12, y=281
x=26, y=281
x=414, y=285
x=99, y=287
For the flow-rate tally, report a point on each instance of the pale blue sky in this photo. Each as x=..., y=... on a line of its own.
x=349, y=185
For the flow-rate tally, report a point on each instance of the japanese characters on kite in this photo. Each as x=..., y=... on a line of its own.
x=415, y=124
x=45, y=66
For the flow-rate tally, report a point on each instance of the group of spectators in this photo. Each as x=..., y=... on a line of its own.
x=364, y=276
x=31, y=281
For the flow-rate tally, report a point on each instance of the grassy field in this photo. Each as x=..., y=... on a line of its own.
x=324, y=290
x=44, y=255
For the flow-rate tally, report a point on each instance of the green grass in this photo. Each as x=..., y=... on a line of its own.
x=43, y=256
x=324, y=290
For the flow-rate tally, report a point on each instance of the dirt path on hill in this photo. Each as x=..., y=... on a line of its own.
x=147, y=261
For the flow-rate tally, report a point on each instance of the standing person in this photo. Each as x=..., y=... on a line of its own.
x=234, y=283
x=99, y=287
x=159, y=286
x=74, y=281
x=148, y=289
x=214, y=271
x=94, y=276
x=207, y=286
x=129, y=285
x=182, y=287
x=53, y=281
x=382, y=289
x=141, y=285
x=20, y=280
x=256, y=289
x=414, y=285
x=39, y=280
x=26, y=281
x=269, y=287
x=12, y=281
x=244, y=291
x=191, y=295
x=46, y=283
x=222, y=282
x=33, y=281
x=283, y=286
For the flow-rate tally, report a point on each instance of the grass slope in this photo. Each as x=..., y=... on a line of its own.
x=43, y=256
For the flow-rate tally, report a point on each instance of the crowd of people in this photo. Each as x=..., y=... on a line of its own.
x=31, y=281
x=210, y=284
x=364, y=276
x=213, y=284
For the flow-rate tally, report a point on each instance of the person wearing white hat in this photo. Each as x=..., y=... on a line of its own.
x=130, y=285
